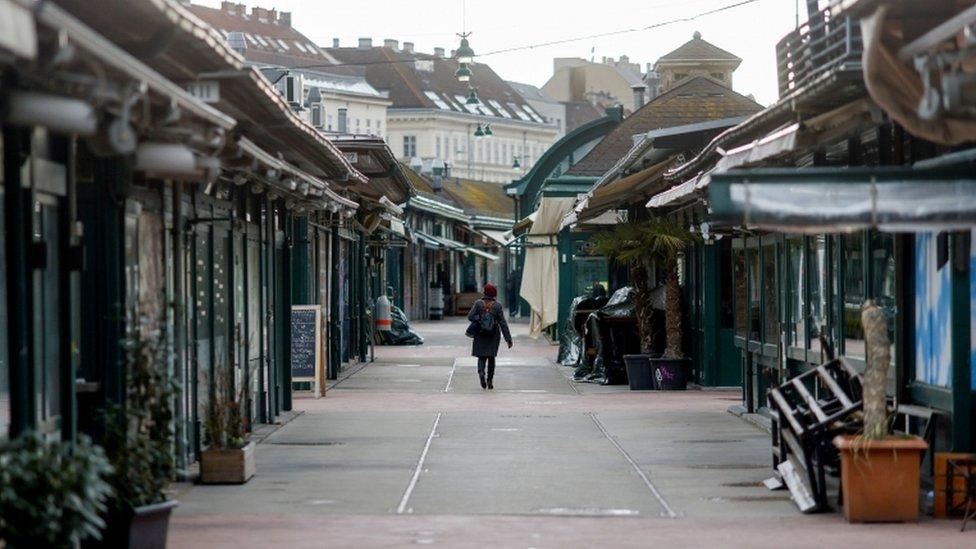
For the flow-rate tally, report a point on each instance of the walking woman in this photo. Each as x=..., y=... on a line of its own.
x=489, y=315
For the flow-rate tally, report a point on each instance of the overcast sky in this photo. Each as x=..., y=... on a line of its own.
x=749, y=31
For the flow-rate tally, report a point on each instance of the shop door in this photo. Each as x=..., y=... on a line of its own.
x=202, y=327
x=47, y=312
x=254, y=323
x=225, y=377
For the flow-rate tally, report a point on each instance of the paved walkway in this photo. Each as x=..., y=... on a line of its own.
x=410, y=450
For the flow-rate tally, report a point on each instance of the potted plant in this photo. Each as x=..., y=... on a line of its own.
x=52, y=494
x=229, y=459
x=139, y=441
x=879, y=472
x=643, y=243
x=624, y=245
x=668, y=241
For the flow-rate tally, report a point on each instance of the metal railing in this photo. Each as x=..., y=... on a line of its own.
x=817, y=46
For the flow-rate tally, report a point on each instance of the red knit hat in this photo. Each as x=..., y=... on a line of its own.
x=491, y=291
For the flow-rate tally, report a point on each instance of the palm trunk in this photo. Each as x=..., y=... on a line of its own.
x=672, y=306
x=642, y=305
x=876, y=372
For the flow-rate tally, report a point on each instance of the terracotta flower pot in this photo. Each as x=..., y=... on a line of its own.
x=880, y=478
x=227, y=466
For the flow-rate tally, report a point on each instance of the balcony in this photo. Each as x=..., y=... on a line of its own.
x=822, y=44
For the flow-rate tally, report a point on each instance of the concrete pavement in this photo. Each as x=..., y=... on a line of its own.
x=410, y=450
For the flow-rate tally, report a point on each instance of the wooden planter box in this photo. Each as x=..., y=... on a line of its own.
x=226, y=466
x=880, y=478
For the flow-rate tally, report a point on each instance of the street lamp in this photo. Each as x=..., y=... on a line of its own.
x=463, y=73
x=464, y=52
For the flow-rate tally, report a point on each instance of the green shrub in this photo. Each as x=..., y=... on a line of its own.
x=51, y=493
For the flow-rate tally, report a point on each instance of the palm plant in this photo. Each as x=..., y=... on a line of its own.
x=641, y=244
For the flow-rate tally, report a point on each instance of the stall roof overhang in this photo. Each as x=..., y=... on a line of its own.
x=18, y=34
x=819, y=200
x=188, y=51
x=436, y=207
x=621, y=192
x=481, y=253
x=373, y=158
x=285, y=169
x=426, y=239
x=86, y=39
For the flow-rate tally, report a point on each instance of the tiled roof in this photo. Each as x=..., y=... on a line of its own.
x=698, y=49
x=474, y=197
x=479, y=197
x=579, y=113
x=696, y=100
x=418, y=80
x=273, y=42
x=531, y=93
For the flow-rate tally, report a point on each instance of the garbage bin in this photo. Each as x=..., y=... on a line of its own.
x=671, y=374
x=436, y=302
x=640, y=374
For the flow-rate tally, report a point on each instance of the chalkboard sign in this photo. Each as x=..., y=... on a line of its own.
x=306, y=344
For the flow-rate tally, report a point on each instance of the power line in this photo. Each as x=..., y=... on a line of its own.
x=552, y=42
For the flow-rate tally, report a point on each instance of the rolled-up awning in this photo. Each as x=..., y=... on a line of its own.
x=540, y=273
x=930, y=196
x=680, y=194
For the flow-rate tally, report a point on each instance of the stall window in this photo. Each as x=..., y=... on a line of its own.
x=755, y=293
x=817, y=283
x=770, y=301
x=4, y=365
x=739, y=275
x=883, y=280
x=797, y=288
x=854, y=294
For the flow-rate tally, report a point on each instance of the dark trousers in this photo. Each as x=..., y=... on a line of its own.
x=490, y=361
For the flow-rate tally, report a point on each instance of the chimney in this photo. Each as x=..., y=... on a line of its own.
x=229, y=8
x=624, y=60
x=272, y=15
x=437, y=182
x=408, y=47
x=439, y=52
x=335, y=42
x=260, y=14
x=284, y=19
x=391, y=43
x=365, y=43
x=639, y=95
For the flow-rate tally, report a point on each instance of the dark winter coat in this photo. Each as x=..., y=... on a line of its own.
x=486, y=343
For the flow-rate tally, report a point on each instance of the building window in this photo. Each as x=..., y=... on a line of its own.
x=343, y=119
x=817, y=283
x=357, y=126
x=739, y=275
x=770, y=295
x=369, y=123
x=852, y=264
x=317, y=116
x=796, y=286
x=409, y=146
x=437, y=147
x=329, y=122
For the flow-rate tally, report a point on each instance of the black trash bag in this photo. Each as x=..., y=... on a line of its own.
x=571, y=344
x=611, y=338
x=400, y=332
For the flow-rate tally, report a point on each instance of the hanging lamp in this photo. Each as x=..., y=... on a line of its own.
x=488, y=132
x=478, y=132
x=464, y=52
x=463, y=73
x=515, y=163
x=472, y=98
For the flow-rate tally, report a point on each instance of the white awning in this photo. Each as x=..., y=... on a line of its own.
x=497, y=236
x=680, y=194
x=18, y=35
x=540, y=274
x=480, y=253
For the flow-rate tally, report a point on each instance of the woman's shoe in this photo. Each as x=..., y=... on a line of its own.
x=490, y=385
x=483, y=384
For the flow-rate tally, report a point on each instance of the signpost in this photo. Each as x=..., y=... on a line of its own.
x=307, y=347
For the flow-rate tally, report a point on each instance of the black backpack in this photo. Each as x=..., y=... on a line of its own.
x=487, y=320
